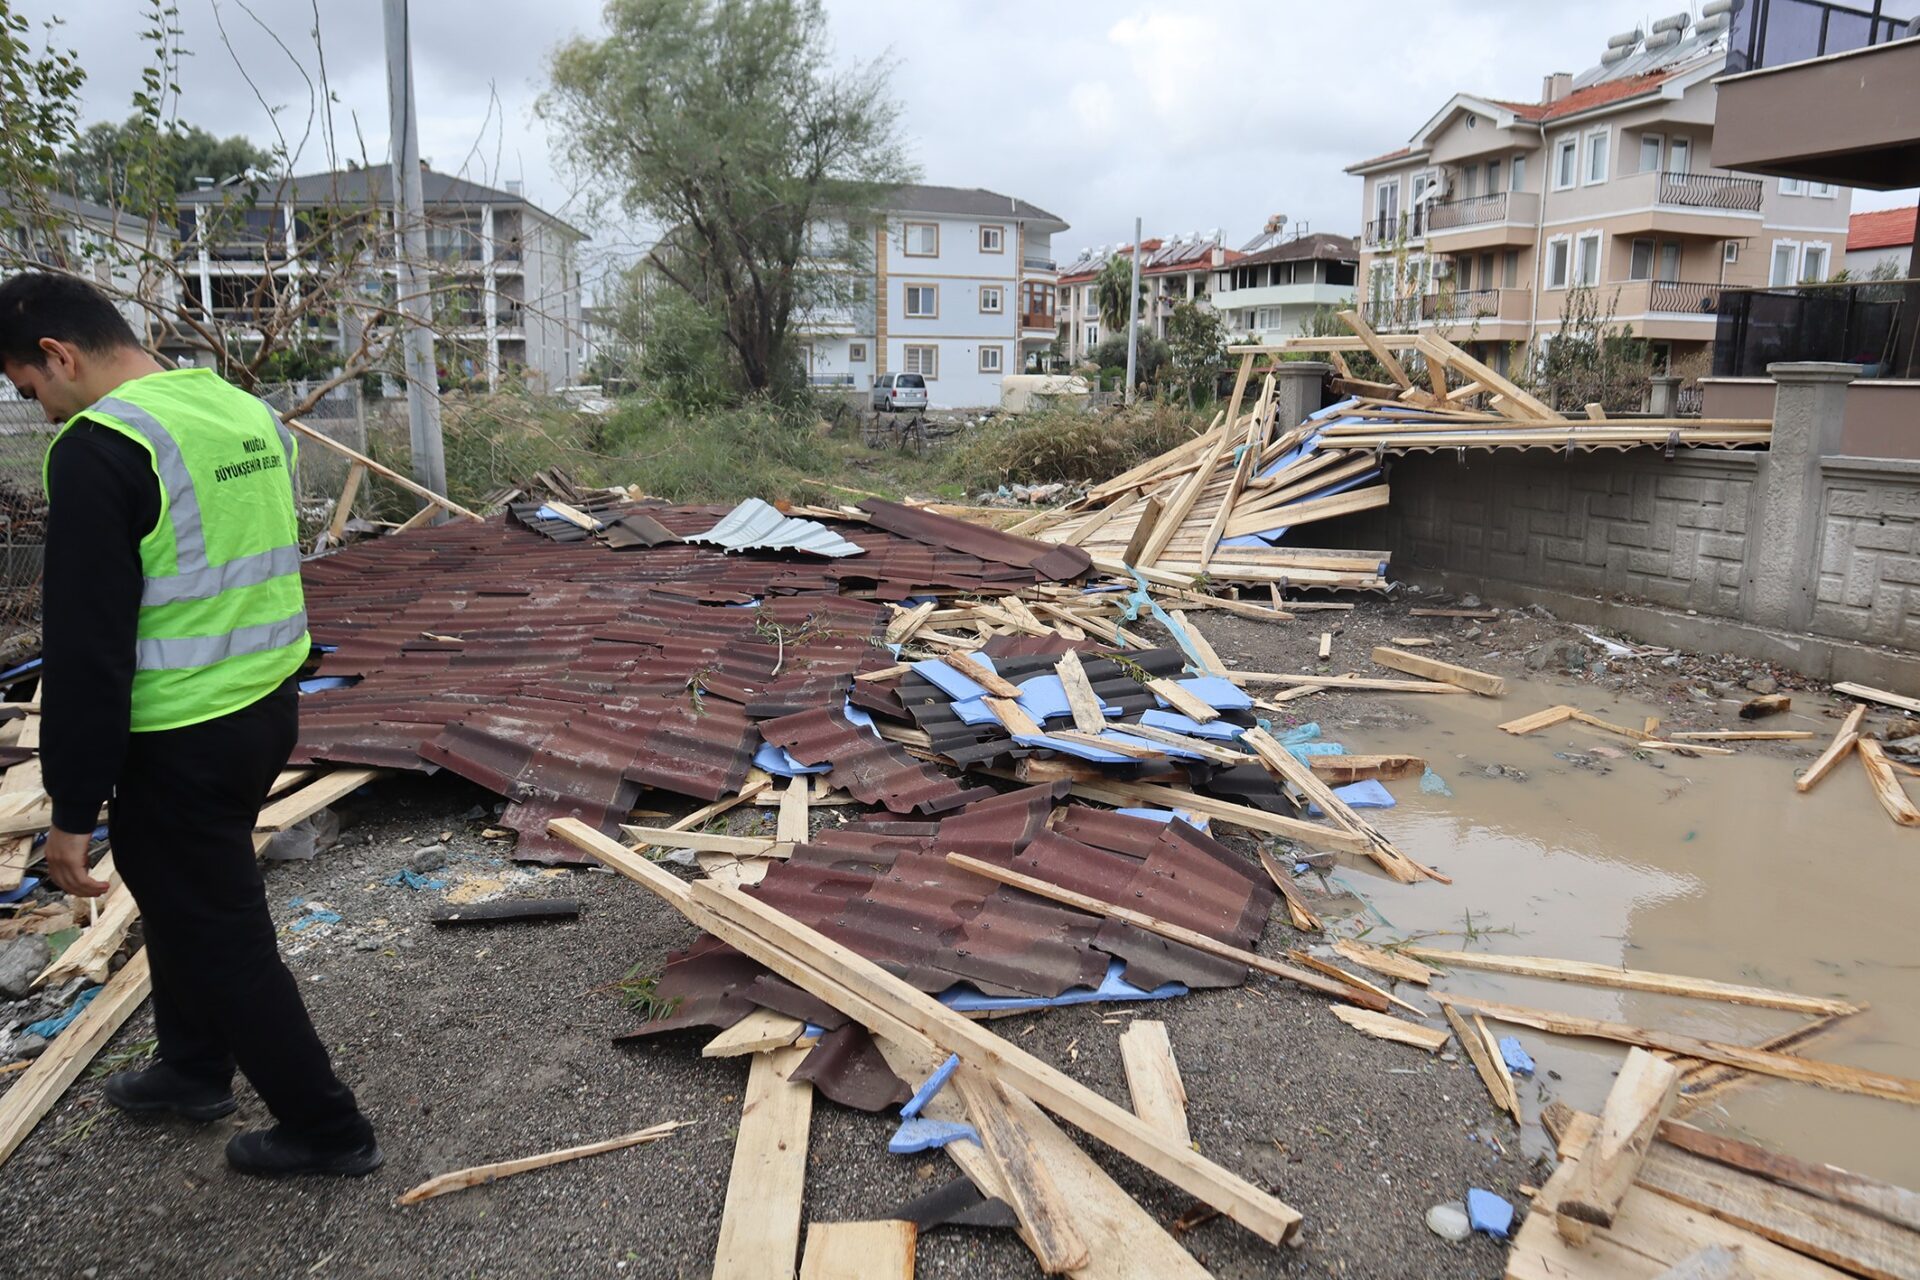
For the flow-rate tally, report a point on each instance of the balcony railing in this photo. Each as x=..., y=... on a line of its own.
x=1038, y=320
x=1391, y=315
x=1037, y=264
x=1773, y=33
x=1467, y=212
x=1710, y=191
x=1388, y=228
x=1689, y=296
x=1466, y=304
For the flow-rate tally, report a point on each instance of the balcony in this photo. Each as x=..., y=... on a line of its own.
x=1717, y=205
x=1039, y=320
x=1481, y=308
x=1037, y=264
x=1709, y=191
x=1824, y=92
x=1390, y=315
x=1685, y=297
x=1387, y=229
x=1663, y=310
x=1500, y=219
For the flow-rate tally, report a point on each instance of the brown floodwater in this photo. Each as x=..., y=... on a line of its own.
x=1712, y=867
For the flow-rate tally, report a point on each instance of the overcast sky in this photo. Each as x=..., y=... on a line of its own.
x=1192, y=116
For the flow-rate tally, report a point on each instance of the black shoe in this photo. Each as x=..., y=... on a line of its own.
x=160, y=1090
x=275, y=1153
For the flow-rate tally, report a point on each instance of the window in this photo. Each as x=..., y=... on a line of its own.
x=1493, y=177
x=923, y=301
x=1793, y=187
x=1597, y=143
x=1669, y=268
x=1730, y=252
x=1649, y=152
x=924, y=361
x=921, y=239
x=1785, y=253
x=1813, y=263
x=856, y=353
x=992, y=300
x=1825, y=190
x=1386, y=208
x=1679, y=155
x=1565, y=163
x=1462, y=267
x=1093, y=335
x=1559, y=256
x=990, y=358
x=1640, y=266
x=1586, y=260
x=1469, y=181
x=993, y=239
x=1518, y=180
x=1510, y=270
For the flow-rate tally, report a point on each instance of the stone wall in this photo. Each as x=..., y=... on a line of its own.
x=1869, y=586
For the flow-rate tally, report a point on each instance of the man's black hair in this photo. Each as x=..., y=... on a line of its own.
x=44, y=304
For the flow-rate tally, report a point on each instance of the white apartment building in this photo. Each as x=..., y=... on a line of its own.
x=960, y=289
x=1272, y=286
x=503, y=271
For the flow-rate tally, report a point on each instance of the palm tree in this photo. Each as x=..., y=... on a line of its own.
x=1110, y=292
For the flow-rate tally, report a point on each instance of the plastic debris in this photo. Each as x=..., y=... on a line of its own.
x=414, y=880
x=1433, y=784
x=48, y=1028
x=1518, y=1060
x=26, y=886
x=964, y=998
x=1489, y=1213
x=1450, y=1221
x=922, y=1134
x=1364, y=794
x=935, y=1082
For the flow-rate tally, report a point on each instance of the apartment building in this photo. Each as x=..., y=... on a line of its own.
x=503, y=272
x=1173, y=270
x=1277, y=281
x=959, y=287
x=1485, y=223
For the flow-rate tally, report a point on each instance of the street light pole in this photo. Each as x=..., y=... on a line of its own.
x=423, y=384
x=1133, y=313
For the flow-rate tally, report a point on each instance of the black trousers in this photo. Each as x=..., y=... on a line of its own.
x=181, y=821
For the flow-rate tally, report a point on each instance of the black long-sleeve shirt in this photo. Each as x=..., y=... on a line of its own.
x=103, y=498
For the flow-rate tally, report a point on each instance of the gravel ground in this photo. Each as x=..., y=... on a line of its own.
x=480, y=1044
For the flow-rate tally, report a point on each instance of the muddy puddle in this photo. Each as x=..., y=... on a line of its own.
x=1712, y=867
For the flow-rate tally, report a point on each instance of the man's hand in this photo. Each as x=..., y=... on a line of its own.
x=66, y=855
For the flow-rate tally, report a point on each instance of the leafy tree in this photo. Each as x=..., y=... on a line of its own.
x=1196, y=348
x=1110, y=292
x=1112, y=354
x=1591, y=358
x=39, y=101
x=96, y=165
x=723, y=122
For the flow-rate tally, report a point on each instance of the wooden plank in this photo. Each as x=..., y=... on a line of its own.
x=1153, y=924
x=1099, y=520
x=904, y=624
x=312, y=798
x=1372, y=994
x=1385, y=1026
x=1499, y=1084
x=1311, y=511
x=760, y=1224
x=860, y=1250
x=1210, y=663
x=22, y=780
x=486, y=1174
x=995, y=684
x=1886, y=786
x=706, y=842
x=1827, y=1075
x=1376, y=348
x=1326, y=645
x=1087, y=716
x=1135, y=749
x=1284, y=765
x=1705, y=1082
x=1844, y=741
x=1482, y=614
x=1046, y=1220
x=343, y=508
x=1539, y=720
x=890, y=1007
x=1740, y=735
x=1153, y=1078
x=1347, y=680
x=1641, y=1096
x=1391, y=963
x=1601, y=975
x=1298, y=911
x=1013, y=717
x=1869, y=694
x=41, y=1085
x=759, y=1031
x=1715, y=1262
x=791, y=823
x=1208, y=748
x=1340, y=770
x=1123, y=794
x=1187, y=704
x=1415, y=664
x=1435, y=347
x=1896, y=1205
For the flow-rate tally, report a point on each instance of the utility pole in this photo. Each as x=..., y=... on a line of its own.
x=1133, y=313
x=423, y=383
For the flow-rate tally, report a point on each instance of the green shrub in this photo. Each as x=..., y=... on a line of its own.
x=1068, y=445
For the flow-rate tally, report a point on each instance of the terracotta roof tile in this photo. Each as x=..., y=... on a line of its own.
x=1882, y=228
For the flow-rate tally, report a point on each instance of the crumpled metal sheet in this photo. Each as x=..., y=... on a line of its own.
x=874, y=771
x=1048, y=560
x=759, y=524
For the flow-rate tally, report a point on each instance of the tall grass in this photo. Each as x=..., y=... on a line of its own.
x=1039, y=448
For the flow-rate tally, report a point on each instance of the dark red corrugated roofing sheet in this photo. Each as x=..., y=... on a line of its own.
x=1049, y=560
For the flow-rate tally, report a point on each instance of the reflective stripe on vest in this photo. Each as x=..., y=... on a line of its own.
x=204, y=651
x=193, y=577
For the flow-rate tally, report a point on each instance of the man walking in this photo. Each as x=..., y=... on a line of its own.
x=173, y=626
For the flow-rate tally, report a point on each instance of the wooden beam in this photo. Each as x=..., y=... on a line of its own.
x=1844, y=740
x=1208, y=748
x=1492, y=1071
x=1433, y=346
x=758, y=1032
x=1539, y=720
x=1886, y=787
x=1283, y=765
x=1870, y=694
x=791, y=823
x=1298, y=911
x=1715, y=1262
x=1601, y=975
x=343, y=506
x=890, y=1007
x=1827, y=1075
x=1385, y=1026
x=1186, y=703
x=706, y=842
x=1189, y=492
x=1153, y=1078
x=860, y=1250
x=1210, y=663
x=1348, y=680
x=1123, y=794
x=1342, y=769
x=1416, y=664
x=1153, y=924
x=486, y=1174
x=760, y=1224
x=1641, y=1096
x=312, y=798
x=997, y=685
x=388, y=473
x=1045, y=1218
x=1741, y=735
x=1391, y=963
x=40, y=1085
x=1376, y=348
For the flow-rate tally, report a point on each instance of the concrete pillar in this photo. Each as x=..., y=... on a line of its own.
x=1663, y=395
x=1782, y=566
x=1296, y=391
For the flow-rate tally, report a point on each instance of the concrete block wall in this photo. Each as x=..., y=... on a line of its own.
x=1869, y=584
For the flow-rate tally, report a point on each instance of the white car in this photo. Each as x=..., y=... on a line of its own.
x=896, y=391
